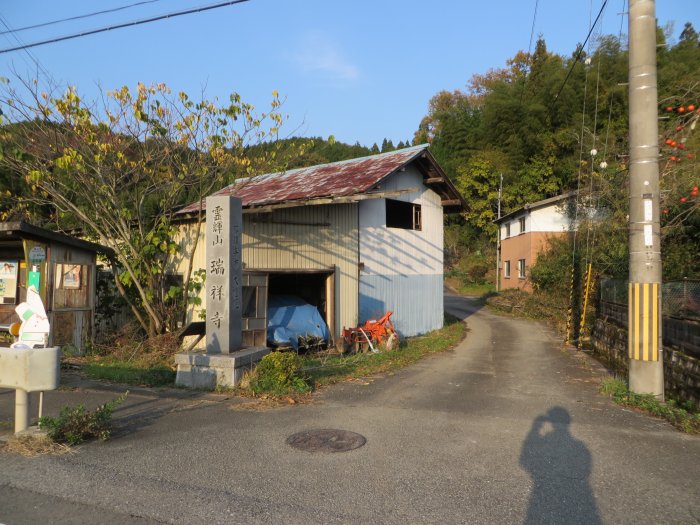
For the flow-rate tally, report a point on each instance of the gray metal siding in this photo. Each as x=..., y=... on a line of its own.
x=301, y=238
x=416, y=301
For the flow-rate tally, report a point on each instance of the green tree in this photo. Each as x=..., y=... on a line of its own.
x=120, y=169
x=478, y=181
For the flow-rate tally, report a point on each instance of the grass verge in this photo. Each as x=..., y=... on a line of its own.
x=130, y=359
x=317, y=370
x=129, y=372
x=472, y=289
x=679, y=416
x=542, y=306
x=336, y=368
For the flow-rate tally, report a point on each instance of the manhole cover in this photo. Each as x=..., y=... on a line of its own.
x=326, y=440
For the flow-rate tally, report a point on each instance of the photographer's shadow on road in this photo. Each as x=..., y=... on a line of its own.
x=560, y=468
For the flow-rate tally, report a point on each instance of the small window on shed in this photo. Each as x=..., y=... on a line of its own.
x=250, y=301
x=522, y=224
x=405, y=215
x=507, y=230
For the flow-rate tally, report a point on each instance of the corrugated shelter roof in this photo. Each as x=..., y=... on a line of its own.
x=335, y=180
x=24, y=230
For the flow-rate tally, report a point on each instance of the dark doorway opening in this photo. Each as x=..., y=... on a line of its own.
x=311, y=287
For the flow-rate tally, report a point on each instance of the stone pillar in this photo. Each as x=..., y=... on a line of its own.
x=224, y=228
x=224, y=362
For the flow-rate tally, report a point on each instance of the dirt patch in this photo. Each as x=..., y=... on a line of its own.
x=30, y=446
x=260, y=404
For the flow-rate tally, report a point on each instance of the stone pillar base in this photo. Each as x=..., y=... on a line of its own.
x=208, y=371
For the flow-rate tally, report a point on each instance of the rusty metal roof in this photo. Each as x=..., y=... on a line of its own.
x=337, y=179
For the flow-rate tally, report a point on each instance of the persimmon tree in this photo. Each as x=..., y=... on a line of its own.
x=120, y=168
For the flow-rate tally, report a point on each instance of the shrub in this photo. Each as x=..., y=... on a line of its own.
x=552, y=270
x=74, y=425
x=280, y=373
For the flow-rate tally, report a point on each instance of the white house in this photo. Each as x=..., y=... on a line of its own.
x=525, y=233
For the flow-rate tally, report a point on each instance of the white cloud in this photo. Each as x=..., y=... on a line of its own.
x=319, y=54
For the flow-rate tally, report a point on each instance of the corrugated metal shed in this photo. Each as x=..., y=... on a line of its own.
x=336, y=180
x=332, y=217
x=302, y=238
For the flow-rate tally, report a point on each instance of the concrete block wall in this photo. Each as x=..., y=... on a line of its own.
x=681, y=369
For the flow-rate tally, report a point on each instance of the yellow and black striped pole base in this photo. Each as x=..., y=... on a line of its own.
x=644, y=321
x=570, y=311
x=586, y=290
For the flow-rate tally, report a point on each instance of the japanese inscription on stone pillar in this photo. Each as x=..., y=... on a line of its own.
x=224, y=226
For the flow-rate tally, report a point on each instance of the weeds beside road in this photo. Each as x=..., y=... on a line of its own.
x=680, y=416
x=547, y=307
x=153, y=367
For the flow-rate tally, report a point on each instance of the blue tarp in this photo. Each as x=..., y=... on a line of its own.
x=289, y=317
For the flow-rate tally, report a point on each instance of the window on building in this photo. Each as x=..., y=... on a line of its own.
x=405, y=215
x=506, y=270
x=250, y=301
x=521, y=268
x=507, y=229
x=522, y=224
x=71, y=286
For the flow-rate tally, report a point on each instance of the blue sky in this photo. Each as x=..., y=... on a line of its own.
x=360, y=70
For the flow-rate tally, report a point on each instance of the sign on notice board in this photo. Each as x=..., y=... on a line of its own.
x=37, y=255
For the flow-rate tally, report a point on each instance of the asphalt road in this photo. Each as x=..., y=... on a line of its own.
x=506, y=428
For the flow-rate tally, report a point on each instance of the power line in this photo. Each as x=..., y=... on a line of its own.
x=78, y=17
x=532, y=29
x=31, y=56
x=580, y=51
x=126, y=24
x=529, y=51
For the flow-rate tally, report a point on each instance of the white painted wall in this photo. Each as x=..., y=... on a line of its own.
x=403, y=269
x=546, y=219
x=395, y=251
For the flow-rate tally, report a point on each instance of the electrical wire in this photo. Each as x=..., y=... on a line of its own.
x=126, y=24
x=589, y=243
x=78, y=17
x=529, y=55
x=570, y=319
x=37, y=63
x=532, y=29
x=580, y=51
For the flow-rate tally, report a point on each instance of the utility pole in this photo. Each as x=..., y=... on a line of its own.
x=646, y=373
x=498, y=238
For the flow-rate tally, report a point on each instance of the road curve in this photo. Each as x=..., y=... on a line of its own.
x=508, y=427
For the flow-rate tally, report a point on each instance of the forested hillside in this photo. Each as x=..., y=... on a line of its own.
x=120, y=168
x=551, y=123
